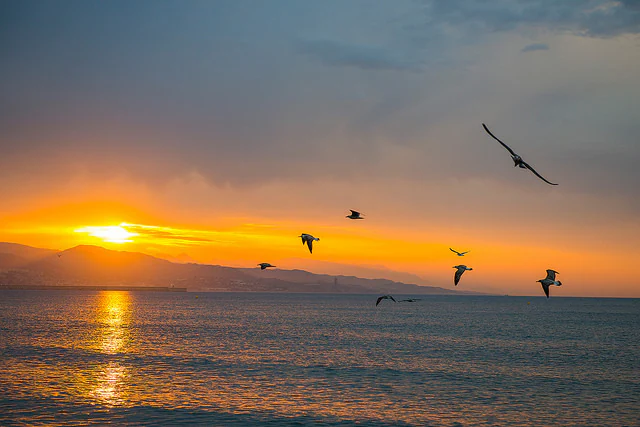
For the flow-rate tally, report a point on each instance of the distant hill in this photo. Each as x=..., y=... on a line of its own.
x=15, y=254
x=96, y=266
x=9, y=261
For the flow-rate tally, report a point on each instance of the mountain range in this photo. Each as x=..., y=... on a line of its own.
x=87, y=265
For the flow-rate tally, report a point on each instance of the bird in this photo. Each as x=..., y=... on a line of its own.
x=59, y=254
x=410, y=300
x=354, y=215
x=264, y=265
x=517, y=160
x=549, y=280
x=461, y=269
x=459, y=253
x=308, y=239
x=385, y=297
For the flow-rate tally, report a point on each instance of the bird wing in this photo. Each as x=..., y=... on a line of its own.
x=310, y=244
x=545, y=286
x=494, y=137
x=356, y=213
x=392, y=298
x=378, y=300
x=303, y=239
x=528, y=166
x=458, y=276
x=465, y=252
x=551, y=275
x=454, y=251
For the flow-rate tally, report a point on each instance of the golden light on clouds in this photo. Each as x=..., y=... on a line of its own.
x=110, y=233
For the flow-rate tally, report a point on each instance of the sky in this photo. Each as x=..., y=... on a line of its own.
x=219, y=131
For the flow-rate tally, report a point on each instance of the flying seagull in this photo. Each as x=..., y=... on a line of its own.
x=517, y=160
x=385, y=297
x=549, y=280
x=59, y=254
x=461, y=269
x=354, y=215
x=459, y=253
x=410, y=300
x=264, y=265
x=308, y=239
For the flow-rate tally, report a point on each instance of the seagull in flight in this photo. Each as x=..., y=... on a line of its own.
x=459, y=253
x=460, y=269
x=59, y=254
x=410, y=300
x=517, y=160
x=385, y=297
x=354, y=215
x=308, y=239
x=264, y=265
x=549, y=280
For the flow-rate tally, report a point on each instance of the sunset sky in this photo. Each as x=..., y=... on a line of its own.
x=221, y=130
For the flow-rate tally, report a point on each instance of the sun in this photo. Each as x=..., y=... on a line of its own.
x=110, y=233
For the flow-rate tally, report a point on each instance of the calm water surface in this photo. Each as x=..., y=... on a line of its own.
x=136, y=358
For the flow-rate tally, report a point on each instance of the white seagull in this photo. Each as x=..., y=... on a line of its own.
x=308, y=239
x=264, y=265
x=354, y=215
x=549, y=280
x=461, y=269
x=459, y=253
x=517, y=160
x=384, y=297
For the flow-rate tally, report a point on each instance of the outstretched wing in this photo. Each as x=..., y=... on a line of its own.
x=356, y=213
x=378, y=300
x=458, y=276
x=466, y=252
x=454, y=251
x=551, y=274
x=502, y=143
x=545, y=286
x=528, y=166
x=392, y=298
x=310, y=244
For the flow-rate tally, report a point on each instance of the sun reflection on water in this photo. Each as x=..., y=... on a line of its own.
x=113, y=337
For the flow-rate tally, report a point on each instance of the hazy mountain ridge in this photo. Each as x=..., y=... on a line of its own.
x=94, y=265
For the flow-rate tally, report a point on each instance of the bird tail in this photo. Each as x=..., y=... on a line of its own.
x=559, y=283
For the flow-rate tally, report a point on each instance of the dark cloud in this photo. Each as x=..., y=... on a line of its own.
x=534, y=47
x=594, y=18
x=159, y=91
x=363, y=57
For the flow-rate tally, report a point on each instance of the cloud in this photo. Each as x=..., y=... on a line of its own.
x=592, y=18
x=355, y=98
x=358, y=56
x=164, y=234
x=534, y=47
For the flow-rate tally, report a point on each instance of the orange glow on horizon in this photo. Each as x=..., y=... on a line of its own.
x=365, y=249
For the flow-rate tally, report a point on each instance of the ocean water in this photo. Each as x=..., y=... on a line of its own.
x=142, y=358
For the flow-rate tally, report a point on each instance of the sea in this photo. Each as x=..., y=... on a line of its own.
x=79, y=358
